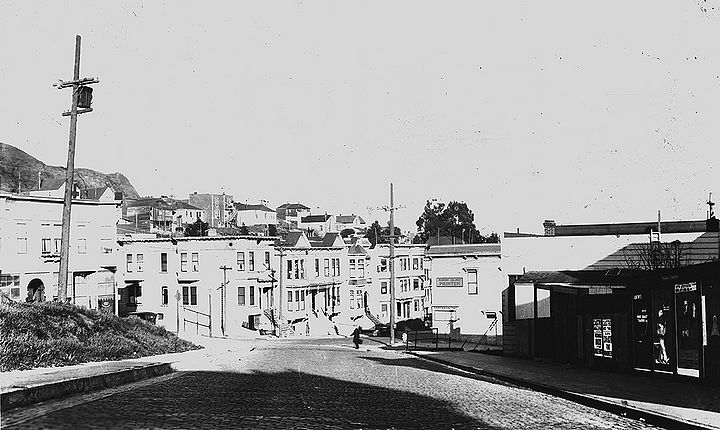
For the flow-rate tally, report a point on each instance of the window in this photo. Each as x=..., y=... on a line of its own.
x=384, y=309
x=289, y=269
x=267, y=260
x=297, y=270
x=317, y=267
x=134, y=291
x=352, y=267
x=251, y=261
x=46, y=246
x=472, y=281
x=252, y=296
x=302, y=269
x=297, y=300
x=327, y=267
x=21, y=238
x=186, y=295
x=163, y=262
x=82, y=246
x=383, y=287
x=183, y=262
x=58, y=246
x=416, y=305
x=338, y=267
x=352, y=299
x=361, y=267
x=416, y=265
x=289, y=294
x=140, y=262
x=241, y=260
x=302, y=299
x=359, y=297
x=416, y=284
x=193, y=296
x=164, y=296
x=195, y=262
x=128, y=263
x=383, y=265
x=241, y=296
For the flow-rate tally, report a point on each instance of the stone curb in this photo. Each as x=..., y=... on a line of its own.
x=16, y=397
x=650, y=417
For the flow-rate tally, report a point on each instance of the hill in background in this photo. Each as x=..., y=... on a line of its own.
x=19, y=172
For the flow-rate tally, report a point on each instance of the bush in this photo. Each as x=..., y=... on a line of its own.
x=54, y=334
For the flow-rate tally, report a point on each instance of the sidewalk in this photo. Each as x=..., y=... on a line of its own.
x=24, y=387
x=663, y=401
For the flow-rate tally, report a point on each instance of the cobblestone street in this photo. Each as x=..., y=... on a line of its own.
x=326, y=384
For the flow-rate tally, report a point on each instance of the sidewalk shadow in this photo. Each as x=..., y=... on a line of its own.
x=263, y=399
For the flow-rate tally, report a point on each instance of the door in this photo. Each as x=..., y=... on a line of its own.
x=687, y=320
x=642, y=331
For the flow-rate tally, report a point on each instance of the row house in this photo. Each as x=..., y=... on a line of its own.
x=354, y=222
x=209, y=285
x=30, y=241
x=411, y=293
x=318, y=225
x=292, y=212
x=465, y=284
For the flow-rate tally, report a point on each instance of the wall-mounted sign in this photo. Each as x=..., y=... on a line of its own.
x=607, y=338
x=602, y=337
x=449, y=282
x=597, y=337
x=684, y=288
x=599, y=289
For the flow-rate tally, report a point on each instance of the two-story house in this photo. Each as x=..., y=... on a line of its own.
x=250, y=215
x=30, y=241
x=209, y=285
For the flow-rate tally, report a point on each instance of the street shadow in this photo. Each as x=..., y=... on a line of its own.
x=281, y=400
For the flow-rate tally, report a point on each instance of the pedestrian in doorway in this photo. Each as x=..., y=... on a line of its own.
x=356, y=337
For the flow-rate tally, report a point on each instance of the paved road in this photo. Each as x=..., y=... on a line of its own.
x=322, y=384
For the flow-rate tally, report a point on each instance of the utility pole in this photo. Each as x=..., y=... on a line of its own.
x=222, y=298
x=281, y=254
x=392, y=267
x=79, y=86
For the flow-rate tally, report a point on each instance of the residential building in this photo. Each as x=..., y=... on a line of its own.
x=159, y=215
x=181, y=279
x=466, y=282
x=292, y=212
x=352, y=221
x=317, y=225
x=250, y=215
x=30, y=242
x=410, y=282
x=217, y=208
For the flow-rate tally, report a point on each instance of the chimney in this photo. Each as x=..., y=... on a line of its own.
x=549, y=225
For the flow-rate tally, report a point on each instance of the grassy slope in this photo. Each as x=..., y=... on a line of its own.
x=51, y=334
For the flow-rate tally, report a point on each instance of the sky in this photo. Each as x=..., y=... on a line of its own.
x=524, y=110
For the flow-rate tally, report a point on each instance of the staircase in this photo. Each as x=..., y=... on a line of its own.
x=372, y=318
x=282, y=328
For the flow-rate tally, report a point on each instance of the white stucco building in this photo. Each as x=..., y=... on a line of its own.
x=30, y=240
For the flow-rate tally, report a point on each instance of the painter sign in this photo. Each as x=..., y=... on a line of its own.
x=449, y=282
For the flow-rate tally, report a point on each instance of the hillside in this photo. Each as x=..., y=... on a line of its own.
x=16, y=163
x=52, y=334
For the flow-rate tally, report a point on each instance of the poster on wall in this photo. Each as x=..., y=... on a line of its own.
x=607, y=338
x=597, y=338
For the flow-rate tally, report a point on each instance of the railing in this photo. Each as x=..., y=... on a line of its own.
x=197, y=322
x=484, y=336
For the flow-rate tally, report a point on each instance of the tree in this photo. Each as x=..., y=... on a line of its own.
x=198, y=228
x=244, y=231
x=454, y=219
x=378, y=234
x=347, y=232
x=272, y=230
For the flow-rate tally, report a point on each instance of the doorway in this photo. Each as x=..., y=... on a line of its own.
x=687, y=320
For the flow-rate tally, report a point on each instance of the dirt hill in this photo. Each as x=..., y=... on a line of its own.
x=16, y=163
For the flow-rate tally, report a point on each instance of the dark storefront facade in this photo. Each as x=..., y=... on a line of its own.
x=663, y=321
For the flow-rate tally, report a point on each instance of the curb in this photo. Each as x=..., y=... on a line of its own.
x=650, y=417
x=24, y=396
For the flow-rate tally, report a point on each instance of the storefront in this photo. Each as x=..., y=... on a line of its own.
x=675, y=322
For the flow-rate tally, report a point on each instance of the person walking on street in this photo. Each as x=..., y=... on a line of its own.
x=356, y=337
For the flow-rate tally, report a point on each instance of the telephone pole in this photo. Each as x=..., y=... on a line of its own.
x=82, y=97
x=392, y=267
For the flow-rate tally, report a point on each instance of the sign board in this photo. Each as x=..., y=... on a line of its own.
x=597, y=337
x=607, y=337
x=491, y=315
x=449, y=282
x=684, y=288
x=599, y=289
